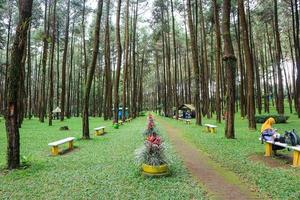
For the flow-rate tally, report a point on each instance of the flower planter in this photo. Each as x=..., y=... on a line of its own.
x=152, y=170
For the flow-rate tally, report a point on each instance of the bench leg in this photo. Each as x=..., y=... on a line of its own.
x=97, y=132
x=268, y=149
x=296, y=159
x=71, y=145
x=207, y=129
x=213, y=130
x=54, y=150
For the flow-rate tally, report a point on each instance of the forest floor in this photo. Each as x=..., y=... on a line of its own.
x=270, y=177
x=218, y=182
x=101, y=168
x=104, y=167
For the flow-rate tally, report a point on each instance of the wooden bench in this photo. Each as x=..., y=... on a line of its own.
x=99, y=130
x=54, y=145
x=296, y=151
x=211, y=128
x=188, y=121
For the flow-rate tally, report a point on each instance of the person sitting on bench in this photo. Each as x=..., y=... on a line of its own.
x=270, y=134
x=267, y=131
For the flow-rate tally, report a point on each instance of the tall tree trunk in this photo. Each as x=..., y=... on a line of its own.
x=29, y=73
x=126, y=60
x=134, y=83
x=278, y=62
x=68, y=107
x=218, y=59
x=13, y=85
x=175, y=60
x=249, y=65
x=51, y=96
x=83, y=41
x=108, y=84
x=195, y=62
x=7, y=53
x=119, y=60
x=230, y=65
x=205, y=75
x=44, y=63
x=295, y=14
x=85, y=112
x=64, y=62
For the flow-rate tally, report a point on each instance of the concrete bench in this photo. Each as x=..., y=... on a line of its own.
x=296, y=151
x=120, y=122
x=188, y=121
x=211, y=128
x=99, y=130
x=54, y=145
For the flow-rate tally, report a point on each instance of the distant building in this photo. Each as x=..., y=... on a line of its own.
x=187, y=111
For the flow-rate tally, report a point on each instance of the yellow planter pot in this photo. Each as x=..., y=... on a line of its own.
x=155, y=170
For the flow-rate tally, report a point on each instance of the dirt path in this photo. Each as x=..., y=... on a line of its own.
x=217, y=181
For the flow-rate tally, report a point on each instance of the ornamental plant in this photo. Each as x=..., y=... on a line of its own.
x=152, y=152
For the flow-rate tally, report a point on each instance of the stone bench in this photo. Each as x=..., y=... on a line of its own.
x=211, y=128
x=54, y=145
x=99, y=130
x=296, y=151
x=188, y=121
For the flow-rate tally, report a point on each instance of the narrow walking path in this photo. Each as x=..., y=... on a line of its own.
x=217, y=181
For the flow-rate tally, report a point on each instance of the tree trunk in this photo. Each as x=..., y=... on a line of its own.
x=218, y=59
x=85, y=112
x=278, y=62
x=51, y=96
x=175, y=61
x=194, y=48
x=108, y=84
x=13, y=85
x=64, y=62
x=126, y=59
x=119, y=60
x=42, y=100
x=230, y=65
x=249, y=65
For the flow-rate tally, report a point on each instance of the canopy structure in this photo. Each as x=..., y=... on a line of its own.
x=187, y=110
x=56, y=110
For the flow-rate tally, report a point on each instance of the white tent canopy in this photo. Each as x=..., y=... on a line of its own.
x=56, y=110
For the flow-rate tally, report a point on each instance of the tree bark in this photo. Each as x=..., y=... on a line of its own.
x=230, y=66
x=64, y=62
x=51, y=96
x=13, y=85
x=218, y=59
x=194, y=48
x=280, y=102
x=119, y=60
x=249, y=66
x=85, y=112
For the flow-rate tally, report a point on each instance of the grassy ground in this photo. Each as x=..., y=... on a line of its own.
x=101, y=168
x=277, y=183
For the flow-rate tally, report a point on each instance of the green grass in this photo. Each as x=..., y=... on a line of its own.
x=277, y=183
x=101, y=168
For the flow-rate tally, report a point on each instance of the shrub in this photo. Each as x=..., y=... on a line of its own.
x=278, y=118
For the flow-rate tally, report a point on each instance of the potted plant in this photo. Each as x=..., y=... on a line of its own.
x=151, y=155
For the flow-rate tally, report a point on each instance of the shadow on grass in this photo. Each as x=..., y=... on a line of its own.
x=280, y=160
